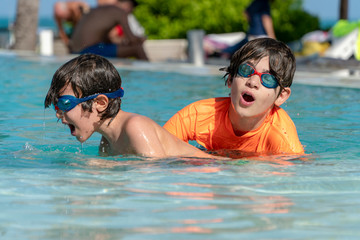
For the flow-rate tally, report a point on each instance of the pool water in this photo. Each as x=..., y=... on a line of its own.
x=52, y=187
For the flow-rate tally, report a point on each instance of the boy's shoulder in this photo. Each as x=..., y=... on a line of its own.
x=282, y=135
x=204, y=109
x=139, y=130
x=208, y=104
x=280, y=115
x=136, y=122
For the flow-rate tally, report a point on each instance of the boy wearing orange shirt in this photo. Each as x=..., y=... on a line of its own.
x=250, y=120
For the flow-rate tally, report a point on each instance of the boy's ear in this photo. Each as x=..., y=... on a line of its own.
x=228, y=82
x=284, y=95
x=101, y=103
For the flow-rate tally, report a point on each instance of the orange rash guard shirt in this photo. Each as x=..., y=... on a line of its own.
x=207, y=122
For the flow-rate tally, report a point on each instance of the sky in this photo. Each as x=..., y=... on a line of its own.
x=315, y=7
x=329, y=9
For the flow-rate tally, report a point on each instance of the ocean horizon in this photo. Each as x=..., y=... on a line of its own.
x=44, y=22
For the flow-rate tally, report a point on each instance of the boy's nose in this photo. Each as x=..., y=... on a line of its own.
x=253, y=81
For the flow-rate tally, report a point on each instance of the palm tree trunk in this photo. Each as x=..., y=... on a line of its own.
x=344, y=4
x=26, y=24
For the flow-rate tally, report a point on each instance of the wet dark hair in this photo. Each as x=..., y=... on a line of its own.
x=281, y=59
x=87, y=74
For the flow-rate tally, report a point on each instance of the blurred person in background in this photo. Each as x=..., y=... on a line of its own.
x=67, y=15
x=105, y=2
x=260, y=22
x=106, y=31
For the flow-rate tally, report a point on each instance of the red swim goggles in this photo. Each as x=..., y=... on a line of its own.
x=267, y=80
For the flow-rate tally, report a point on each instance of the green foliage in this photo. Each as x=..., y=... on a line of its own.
x=290, y=21
x=169, y=19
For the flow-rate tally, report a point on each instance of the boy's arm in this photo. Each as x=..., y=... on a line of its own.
x=284, y=144
x=268, y=25
x=62, y=33
x=143, y=138
x=148, y=139
x=284, y=138
x=293, y=143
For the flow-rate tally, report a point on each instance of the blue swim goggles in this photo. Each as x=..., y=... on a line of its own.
x=67, y=102
x=267, y=80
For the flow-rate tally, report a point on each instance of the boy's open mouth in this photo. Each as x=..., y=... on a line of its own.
x=248, y=98
x=72, y=129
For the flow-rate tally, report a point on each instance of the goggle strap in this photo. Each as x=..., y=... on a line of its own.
x=73, y=101
x=116, y=94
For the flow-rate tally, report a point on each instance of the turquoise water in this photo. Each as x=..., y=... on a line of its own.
x=52, y=187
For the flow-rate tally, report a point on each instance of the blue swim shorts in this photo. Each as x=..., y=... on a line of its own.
x=102, y=49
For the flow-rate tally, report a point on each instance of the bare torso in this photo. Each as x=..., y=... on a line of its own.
x=94, y=27
x=140, y=135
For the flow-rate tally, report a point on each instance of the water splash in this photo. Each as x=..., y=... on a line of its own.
x=103, y=149
x=80, y=150
x=28, y=147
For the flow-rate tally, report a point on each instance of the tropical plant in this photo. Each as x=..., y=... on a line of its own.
x=173, y=18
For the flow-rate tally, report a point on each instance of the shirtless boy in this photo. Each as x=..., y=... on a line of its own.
x=92, y=34
x=86, y=93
